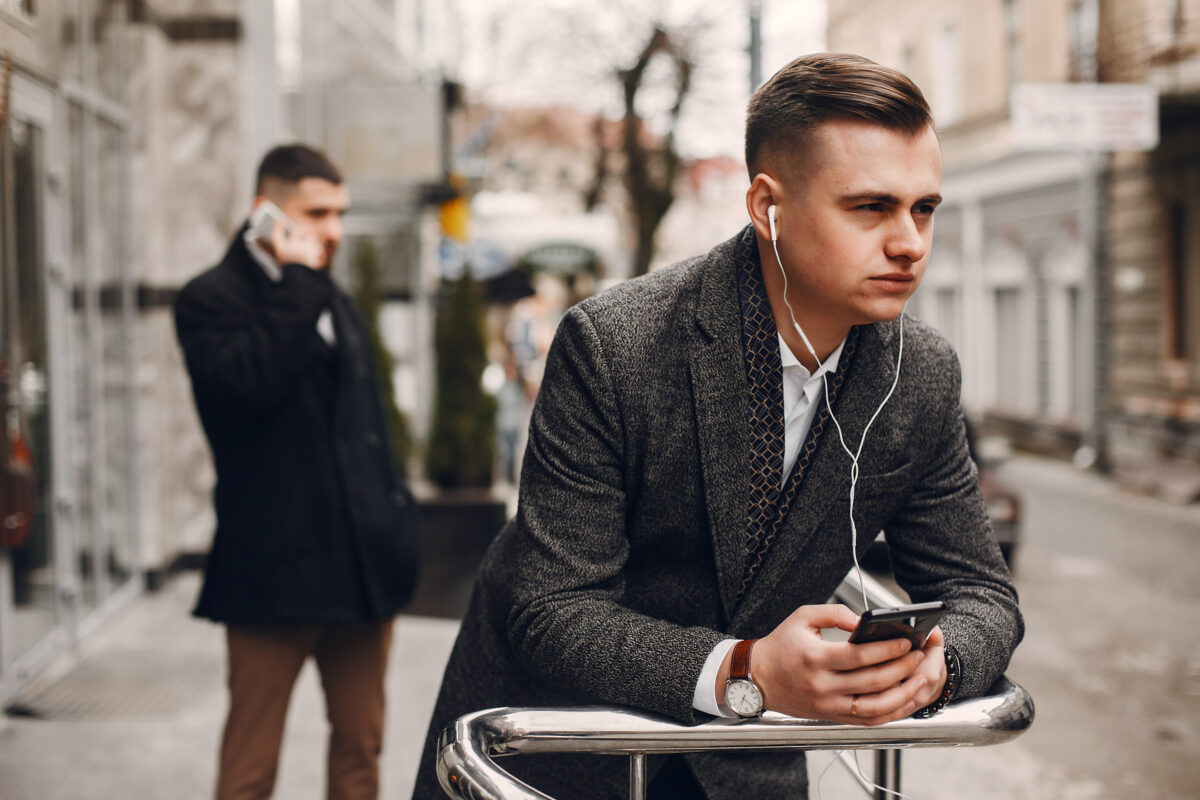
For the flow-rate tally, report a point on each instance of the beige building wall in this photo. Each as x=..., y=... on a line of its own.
x=1007, y=282
x=958, y=52
x=125, y=143
x=1075, y=338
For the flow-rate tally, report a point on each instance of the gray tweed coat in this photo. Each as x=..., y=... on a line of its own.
x=620, y=571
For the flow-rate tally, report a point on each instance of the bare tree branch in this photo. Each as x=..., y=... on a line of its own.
x=651, y=167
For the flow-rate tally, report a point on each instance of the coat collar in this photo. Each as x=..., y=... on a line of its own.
x=241, y=262
x=720, y=396
x=868, y=378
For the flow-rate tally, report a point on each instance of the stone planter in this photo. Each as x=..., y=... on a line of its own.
x=456, y=528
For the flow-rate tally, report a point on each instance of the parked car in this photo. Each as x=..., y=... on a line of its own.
x=1003, y=504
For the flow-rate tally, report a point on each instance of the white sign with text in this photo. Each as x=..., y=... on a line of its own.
x=1085, y=116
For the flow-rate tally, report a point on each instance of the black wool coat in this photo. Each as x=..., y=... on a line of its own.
x=314, y=523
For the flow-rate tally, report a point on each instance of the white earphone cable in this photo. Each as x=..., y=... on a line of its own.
x=825, y=382
x=865, y=781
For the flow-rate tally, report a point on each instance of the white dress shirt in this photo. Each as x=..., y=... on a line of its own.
x=802, y=395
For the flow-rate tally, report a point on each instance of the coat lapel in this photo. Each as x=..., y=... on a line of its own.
x=720, y=399
x=351, y=356
x=868, y=377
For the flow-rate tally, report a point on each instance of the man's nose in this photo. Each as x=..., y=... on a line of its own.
x=906, y=240
x=332, y=229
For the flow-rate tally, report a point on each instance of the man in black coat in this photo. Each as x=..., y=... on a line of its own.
x=316, y=542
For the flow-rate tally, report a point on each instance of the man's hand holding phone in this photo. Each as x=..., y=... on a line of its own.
x=804, y=675
x=288, y=241
x=913, y=622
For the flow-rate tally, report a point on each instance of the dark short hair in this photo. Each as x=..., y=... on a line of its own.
x=292, y=163
x=822, y=86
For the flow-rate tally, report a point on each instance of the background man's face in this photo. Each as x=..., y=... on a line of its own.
x=856, y=222
x=317, y=206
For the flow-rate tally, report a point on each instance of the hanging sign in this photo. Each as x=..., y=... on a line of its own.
x=1085, y=116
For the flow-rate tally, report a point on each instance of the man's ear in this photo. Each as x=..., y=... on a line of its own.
x=765, y=191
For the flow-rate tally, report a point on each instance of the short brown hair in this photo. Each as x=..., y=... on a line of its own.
x=822, y=86
x=291, y=163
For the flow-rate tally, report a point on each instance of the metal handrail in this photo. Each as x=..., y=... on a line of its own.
x=466, y=768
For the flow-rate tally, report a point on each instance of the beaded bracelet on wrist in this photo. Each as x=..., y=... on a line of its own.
x=953, y=678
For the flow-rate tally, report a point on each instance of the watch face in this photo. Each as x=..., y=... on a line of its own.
x=743, y=698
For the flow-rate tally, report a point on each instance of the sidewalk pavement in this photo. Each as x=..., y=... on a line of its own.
x=140, y=715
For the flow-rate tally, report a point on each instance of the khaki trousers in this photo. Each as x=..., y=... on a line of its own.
x=264, y=661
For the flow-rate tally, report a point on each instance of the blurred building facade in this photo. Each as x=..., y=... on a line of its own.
x=371, y=84
x=88, y=120
x=1037, y=251
x=537, y=185
x=129, y=132
x=1152, y=245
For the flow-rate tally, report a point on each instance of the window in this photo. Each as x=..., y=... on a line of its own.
x=24, y=7
x=909, y=61
x=1163, y=25
x=1184, y=297
x=1077, y=376
x=947, y=76
x=1009, y=378
x=947, y=308
x=1012, y=33
x=1085, y=22
x=24, y=376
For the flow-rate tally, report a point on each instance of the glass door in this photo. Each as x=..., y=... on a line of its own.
x=28, y=591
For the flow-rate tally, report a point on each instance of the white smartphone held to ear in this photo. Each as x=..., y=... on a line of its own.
x=263, y=219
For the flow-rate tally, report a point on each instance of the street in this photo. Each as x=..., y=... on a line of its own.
x=1110, y=591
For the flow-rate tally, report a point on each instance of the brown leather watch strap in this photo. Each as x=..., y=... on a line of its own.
x=739, y=667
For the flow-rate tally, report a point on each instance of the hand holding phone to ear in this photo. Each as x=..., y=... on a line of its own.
x=288, y=241
x=300, y=246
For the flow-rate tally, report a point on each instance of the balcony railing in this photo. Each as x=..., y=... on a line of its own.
x=467, y=749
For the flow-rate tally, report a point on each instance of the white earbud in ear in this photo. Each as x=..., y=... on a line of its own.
x=771, y=222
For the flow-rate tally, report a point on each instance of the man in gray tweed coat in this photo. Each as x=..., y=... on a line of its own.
x=708, y=442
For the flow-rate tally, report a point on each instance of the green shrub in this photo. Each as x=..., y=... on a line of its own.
x=368, y=295
x=461, y=451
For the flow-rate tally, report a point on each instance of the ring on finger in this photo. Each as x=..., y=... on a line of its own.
x=854, y=706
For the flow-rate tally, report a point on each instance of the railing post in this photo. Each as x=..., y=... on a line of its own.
x=637, y=776
x=887, y=774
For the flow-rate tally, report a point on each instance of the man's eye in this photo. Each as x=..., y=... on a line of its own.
x=925, y=209
x=871, y=207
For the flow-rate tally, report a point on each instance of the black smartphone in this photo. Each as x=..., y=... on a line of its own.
x=913, y=622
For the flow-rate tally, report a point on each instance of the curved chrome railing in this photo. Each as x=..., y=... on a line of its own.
x=466, y=767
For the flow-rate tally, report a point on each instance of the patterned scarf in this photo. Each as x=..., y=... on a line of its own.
x=764, y=373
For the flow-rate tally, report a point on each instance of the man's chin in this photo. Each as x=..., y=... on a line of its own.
x=883, y=312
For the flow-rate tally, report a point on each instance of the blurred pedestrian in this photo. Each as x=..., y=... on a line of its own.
x=512, y=417
x=711, y=445
x=316, y=543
